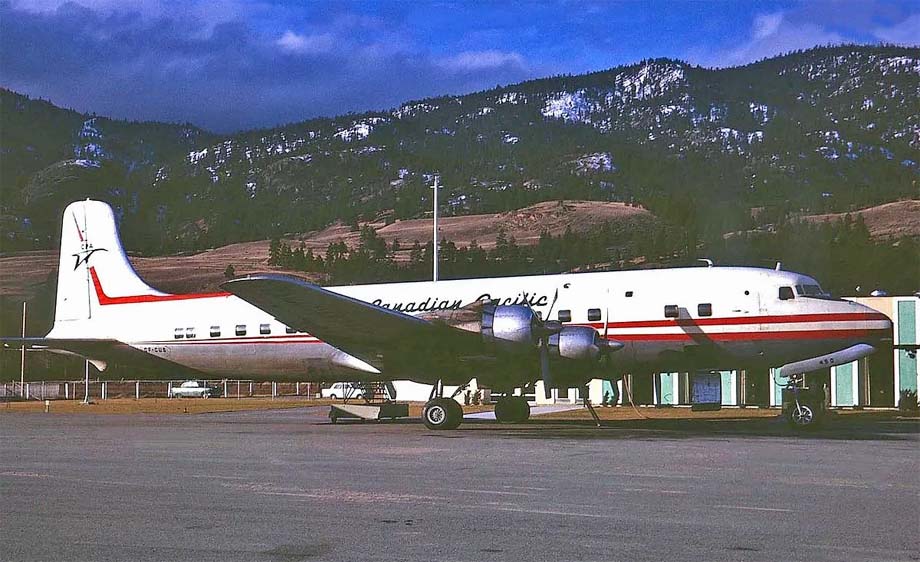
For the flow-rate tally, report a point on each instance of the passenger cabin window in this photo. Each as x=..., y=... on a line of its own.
x=785, y=293
x=629, y=294
x=704, y=309
x=180, y=333
x=289, y=330
x=671, y=311
x=594, y=314
x=265, y=329
x=190, y=333
x=215, y=331
x=565, y=315
x=241, y=329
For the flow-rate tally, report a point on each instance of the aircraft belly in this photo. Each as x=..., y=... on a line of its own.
x=294, y=361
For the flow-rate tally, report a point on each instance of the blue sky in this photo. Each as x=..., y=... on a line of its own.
x=231, y=64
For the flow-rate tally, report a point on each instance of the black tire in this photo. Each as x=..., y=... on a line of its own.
x=442, y=413
x=521, y=410
x=512, y=409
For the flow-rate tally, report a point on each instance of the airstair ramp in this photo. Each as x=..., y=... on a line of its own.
x=383, y=411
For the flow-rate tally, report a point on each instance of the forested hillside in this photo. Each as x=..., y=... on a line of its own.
x=825, y=130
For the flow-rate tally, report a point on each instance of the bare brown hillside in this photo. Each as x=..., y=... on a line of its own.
x=891, y=220
x=22, y=273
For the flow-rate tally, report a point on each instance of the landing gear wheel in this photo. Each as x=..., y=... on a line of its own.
x=513, y=409
x=442, y=413
x=802, y=415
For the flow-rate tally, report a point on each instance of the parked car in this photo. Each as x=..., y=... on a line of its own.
x=343, y=390
x=192, y=389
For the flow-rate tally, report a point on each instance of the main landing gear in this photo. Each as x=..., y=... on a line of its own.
x=514, y=409
x=442, y=413
x=446, y=413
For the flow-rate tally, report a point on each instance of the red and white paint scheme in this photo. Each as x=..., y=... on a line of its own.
x=647, y=321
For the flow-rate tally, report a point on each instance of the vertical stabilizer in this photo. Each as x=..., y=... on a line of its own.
x=93, y=265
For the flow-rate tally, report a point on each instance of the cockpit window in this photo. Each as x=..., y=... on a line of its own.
x=785, y=293
x=812, y=291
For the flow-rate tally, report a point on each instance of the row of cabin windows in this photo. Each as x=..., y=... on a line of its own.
x=240, y=330
x=673, y=311
x=594, y=315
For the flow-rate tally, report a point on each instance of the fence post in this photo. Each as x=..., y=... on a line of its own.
x=250, y=389
x=28, y=388
x=66, y=391
x=238, y=389
x=297, y=388
x=137, y=390
x=274, y=389
x=225, y=389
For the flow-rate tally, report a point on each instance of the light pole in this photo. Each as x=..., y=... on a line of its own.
x=22, y=358
x=434, y=276
x=86, y=381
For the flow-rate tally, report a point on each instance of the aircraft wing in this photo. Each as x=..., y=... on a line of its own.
x=379, y=336
x=99, y=352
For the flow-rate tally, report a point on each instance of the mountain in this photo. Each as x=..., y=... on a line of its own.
x=707, y=150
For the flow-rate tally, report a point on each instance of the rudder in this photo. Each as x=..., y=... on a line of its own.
x=93, y=263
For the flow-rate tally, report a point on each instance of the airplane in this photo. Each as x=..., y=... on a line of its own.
x=506, y=332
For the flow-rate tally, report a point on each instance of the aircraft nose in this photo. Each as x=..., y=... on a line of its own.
x=878, y=325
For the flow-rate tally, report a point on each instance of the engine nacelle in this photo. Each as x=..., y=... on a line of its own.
x=510, y=323
x=576, y=342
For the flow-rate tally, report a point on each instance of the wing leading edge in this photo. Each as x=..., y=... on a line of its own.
x=376, y=335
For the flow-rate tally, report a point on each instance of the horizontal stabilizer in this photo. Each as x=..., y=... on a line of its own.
x=100, y=352
x=841, y=357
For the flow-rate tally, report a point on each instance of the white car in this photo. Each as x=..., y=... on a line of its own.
x=342, y=390
x=190, y=389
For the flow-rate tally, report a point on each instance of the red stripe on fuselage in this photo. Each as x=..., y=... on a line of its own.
x=104, y=299
x=736, y=336
x=736, y=320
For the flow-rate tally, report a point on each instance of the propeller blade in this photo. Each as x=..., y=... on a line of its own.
x=545, y=373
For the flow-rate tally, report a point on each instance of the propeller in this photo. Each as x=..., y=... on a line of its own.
x=543, y=330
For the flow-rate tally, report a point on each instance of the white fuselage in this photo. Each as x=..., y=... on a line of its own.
x=735, y=312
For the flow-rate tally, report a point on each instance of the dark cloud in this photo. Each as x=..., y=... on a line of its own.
x=234, y=64
x=228, y=75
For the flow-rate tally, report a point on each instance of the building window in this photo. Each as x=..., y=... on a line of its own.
x=785, y=293
x=180, y=333
x=241, y=329
x=594, y=315
x=704, y=309
x=289, y=330
x=190, y=333
x=565, y=315
x=629, y=294
x=215, y=331
x=671, y=311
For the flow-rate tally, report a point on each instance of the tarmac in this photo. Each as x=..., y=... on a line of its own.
x=286, y=485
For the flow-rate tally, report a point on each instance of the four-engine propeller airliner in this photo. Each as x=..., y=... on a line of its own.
x=506, y=332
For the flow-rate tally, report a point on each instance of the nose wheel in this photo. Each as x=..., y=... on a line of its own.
x=802, y=415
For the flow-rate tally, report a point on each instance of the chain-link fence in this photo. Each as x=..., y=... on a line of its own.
x=102, y=390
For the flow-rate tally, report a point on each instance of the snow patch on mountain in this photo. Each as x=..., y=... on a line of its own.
x=359, y=130
x=594, y=162
x=412, y=109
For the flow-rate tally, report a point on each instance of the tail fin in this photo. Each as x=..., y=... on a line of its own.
x=93, y=265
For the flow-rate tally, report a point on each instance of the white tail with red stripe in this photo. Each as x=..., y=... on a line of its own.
x=91, y=250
